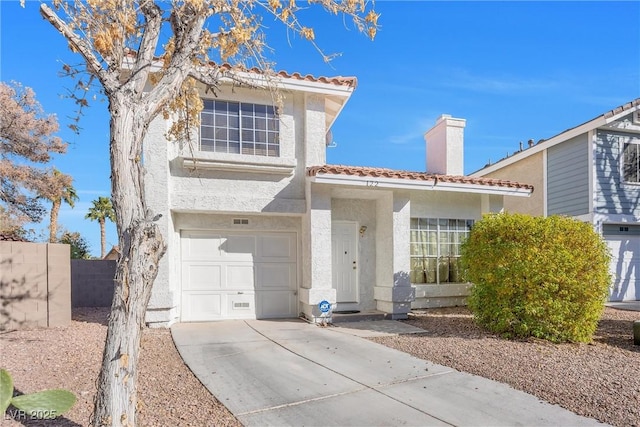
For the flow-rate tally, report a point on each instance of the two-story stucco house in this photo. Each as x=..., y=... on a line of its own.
x=259, y=226
x=590, y=172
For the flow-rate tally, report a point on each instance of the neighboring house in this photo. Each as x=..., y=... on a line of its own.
x=258, y=226
x=590, y=172
x=113, y=254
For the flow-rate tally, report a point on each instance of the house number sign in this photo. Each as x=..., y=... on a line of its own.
x=372, y=183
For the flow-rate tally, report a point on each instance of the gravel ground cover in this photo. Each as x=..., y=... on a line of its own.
x=70, y=357
x=600, y=380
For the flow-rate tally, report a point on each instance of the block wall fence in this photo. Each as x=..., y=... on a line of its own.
x=35, y=285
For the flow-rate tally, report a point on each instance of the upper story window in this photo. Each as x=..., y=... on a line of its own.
x=239, y=127
x=631, y=162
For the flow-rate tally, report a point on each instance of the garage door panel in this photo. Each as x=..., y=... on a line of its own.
x=202, y=277
x=239, y=247
x=274, y=248
x=276, y=276
x=201, y=247
x=239, y=277
x=275, y=304
x=197, y=306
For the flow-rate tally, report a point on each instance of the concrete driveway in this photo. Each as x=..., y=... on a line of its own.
x=279, y=373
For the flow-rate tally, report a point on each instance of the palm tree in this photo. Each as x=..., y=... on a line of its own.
x=58, y=189
x=102, y=210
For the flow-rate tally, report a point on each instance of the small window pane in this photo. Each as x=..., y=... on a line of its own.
x=233, y=108
x=206, y=119
x=207, y=133
x=234, y=135
x=260, y=136
x=206, y=145
x=247, y=136
x=221, y=120
x=234, y=147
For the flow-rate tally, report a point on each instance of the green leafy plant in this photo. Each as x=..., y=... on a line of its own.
x=536, y=277
x=43, y=404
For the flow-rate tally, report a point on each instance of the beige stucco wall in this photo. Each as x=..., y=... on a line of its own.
x=35, y=285
x=528, y=171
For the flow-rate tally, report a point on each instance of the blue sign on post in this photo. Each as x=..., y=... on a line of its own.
x=324, y=306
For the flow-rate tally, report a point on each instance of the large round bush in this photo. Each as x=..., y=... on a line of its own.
x=536, y=277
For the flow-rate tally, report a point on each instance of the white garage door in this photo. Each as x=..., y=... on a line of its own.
x=624, y=242
x=238, y=275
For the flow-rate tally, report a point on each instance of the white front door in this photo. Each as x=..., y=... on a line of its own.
x=344, y=260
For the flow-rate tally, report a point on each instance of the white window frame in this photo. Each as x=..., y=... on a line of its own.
x=468, y=223
x=239, y=128
x=623, y=162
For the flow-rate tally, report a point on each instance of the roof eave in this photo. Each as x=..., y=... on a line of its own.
x=412, y=184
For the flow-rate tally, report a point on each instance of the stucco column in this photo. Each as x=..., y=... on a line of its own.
x=317, y=279
x=393, y=291
x=162, y=308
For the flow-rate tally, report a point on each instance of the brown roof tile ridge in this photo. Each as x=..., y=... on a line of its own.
x=9, y=236
x=335, y=80
x=423, y=176
x=624, y=107
x=350, y=81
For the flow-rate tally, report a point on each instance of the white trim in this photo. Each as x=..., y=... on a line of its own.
x=592, y=139
x=231, y=166
x=264, y=81
x=545, y=207
x=412, y=184
x=621, y=163
x=292, y=83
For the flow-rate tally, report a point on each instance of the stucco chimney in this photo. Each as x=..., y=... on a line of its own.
x=445, y=151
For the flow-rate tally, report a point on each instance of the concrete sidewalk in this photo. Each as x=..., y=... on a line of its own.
x=292, y=373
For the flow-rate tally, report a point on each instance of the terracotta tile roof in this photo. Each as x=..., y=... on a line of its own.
x=336, y=80
x=9, y=236
x=622, y=108
x=421, y=176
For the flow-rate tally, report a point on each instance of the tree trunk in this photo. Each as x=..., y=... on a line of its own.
x=141, y=246
x=103, y=238
x=53, y=223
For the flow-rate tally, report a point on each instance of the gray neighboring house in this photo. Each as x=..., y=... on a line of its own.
x=590, y=172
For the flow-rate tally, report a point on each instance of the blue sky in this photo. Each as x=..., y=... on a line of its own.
x=514, y=70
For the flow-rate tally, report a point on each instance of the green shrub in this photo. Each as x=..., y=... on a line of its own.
x=536, y=277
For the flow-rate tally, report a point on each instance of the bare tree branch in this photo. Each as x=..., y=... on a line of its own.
x=108, y=80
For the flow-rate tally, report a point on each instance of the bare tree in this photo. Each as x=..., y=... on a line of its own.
x=26, y=141
x=142, y=74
